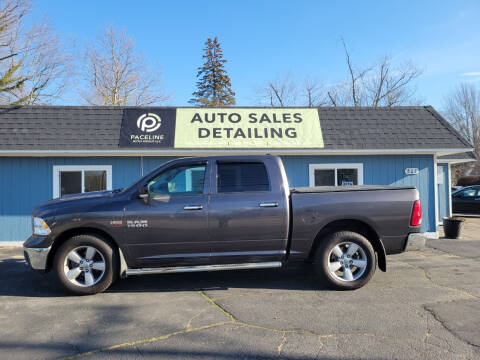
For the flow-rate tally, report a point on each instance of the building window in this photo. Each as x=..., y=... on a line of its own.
x=336, y=174
x=76, y=179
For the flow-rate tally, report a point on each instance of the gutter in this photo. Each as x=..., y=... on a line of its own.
x=200, y=152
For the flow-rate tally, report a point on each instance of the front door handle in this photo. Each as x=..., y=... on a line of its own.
x=268, y=204
x=193, y=207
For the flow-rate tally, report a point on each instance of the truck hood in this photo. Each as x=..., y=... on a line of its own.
x=65, y=203
x=92, y=194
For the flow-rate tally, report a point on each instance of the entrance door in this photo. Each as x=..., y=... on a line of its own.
x=171, y=227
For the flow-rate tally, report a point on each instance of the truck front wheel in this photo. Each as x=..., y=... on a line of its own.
x=85, y=265
x=345, y=260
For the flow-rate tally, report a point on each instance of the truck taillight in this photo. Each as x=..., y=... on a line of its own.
x=416, y=219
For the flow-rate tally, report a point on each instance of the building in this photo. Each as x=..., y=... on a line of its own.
x=48, y=151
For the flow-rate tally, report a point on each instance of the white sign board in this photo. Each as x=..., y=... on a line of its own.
x=440, y=175
x=411, y=171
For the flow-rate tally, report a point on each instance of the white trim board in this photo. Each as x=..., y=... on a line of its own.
x=201, y=152
x=313, y=167
x=449, y=182
x=455, y=161
x=435, y=189
x=58, y=168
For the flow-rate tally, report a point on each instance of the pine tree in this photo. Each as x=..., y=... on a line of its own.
x=213, y=86
x=9, y=83
x=11, y=14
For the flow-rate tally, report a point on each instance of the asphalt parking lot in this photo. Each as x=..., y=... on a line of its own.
x=427, y=306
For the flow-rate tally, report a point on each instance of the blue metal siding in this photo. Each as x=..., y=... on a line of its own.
x=443, y=194
x=28, y=181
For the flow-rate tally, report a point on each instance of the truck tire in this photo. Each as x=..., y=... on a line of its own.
x=345, y=260
x=85, y=265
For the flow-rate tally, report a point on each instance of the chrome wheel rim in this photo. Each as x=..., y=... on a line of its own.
x=347, y=261
x=84, y=266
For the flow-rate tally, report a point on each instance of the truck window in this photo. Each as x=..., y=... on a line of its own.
x=181, y=180
x=242, y=177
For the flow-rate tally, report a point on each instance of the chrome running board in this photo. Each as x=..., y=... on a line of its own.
x=183, y=269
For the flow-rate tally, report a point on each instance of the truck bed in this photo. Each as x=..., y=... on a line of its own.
x=386, y=209
x=324, y=189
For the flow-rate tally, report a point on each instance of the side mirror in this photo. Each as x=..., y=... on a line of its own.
x=143, y=193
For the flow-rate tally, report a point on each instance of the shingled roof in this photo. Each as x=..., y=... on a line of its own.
x=344, y=128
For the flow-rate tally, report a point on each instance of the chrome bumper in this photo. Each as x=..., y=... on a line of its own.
x=415, y=242
x=37, y=257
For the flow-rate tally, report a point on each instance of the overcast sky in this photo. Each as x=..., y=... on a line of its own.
x=265, y=39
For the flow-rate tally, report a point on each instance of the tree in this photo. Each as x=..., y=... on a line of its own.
x=462, y=110
x=213, y=85
x=283, y=91
x=33, y=65
x=381, y=84
x=116, y=75
x=46, y=67
x=11, y=14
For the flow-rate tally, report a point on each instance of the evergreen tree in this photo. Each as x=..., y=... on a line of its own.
x=9, y=83
x=11, y=14
x=213, y=86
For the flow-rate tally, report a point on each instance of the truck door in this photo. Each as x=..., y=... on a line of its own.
x=248, y=219
x=171, y=226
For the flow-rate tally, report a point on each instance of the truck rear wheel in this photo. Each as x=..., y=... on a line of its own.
x=85, y=265
x=345, y=260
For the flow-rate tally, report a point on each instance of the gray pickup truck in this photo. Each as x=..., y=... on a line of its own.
x=221, y=213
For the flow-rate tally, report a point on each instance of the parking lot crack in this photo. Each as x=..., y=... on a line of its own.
x=189, y=323
x=284, y=340
x=285, y=332
x=217, y=305
x=144, y=341
x=446, y=327
x=427, y=276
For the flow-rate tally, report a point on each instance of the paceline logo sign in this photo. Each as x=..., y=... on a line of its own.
x=248, y=128
x=221, y=128
x=149, y=122
x=154, y=128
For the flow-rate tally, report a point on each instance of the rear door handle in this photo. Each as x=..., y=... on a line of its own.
x=193, y=207
x=268, y=204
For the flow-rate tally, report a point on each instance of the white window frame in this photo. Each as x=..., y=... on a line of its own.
x=357, y=166
x=59, y=168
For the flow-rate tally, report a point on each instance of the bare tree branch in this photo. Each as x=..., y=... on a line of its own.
x=381, y=84
x=43, y=65
x=283, y=91
x=462, y=110
x=116, y=75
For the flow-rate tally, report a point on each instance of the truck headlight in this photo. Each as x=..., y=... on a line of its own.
x=40, y=227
